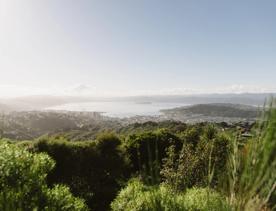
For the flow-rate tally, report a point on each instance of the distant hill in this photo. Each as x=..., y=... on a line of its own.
x=40, y=102
x=220, y=109
x=32, y=124
x=5, y=108
x=215, y=112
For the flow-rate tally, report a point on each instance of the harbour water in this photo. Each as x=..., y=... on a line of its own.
x=120, y=109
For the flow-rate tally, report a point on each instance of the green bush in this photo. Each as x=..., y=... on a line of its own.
x=146, y=151
x=61, y=197
x=92, y=169
x=23, y=182
x=204, y=199
x=139, y=197
x=201, y=162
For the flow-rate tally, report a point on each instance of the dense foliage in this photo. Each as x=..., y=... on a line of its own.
x=203, y=155
x=23, y=185
x=147, y=150
x=139, y=197
x=97, y=170
x=93, y=170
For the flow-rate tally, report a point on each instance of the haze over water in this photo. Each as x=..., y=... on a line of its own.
x=120, y=109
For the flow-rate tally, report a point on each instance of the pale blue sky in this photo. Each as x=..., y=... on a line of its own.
x=137, y=46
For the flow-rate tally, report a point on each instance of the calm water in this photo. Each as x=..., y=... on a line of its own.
x=119, y=109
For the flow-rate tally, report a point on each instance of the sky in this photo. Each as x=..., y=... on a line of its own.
x=137, y=47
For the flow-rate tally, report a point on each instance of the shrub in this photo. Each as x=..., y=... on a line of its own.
x=204, y=199
x=23, y=182
x=139, y=197
x=92, y=169
x=61, y=197
x=200, y=162
x=146, y=151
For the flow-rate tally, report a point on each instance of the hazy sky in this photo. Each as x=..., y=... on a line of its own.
x=120, y=47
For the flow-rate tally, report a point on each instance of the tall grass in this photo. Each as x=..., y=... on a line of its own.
x=252, y=170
